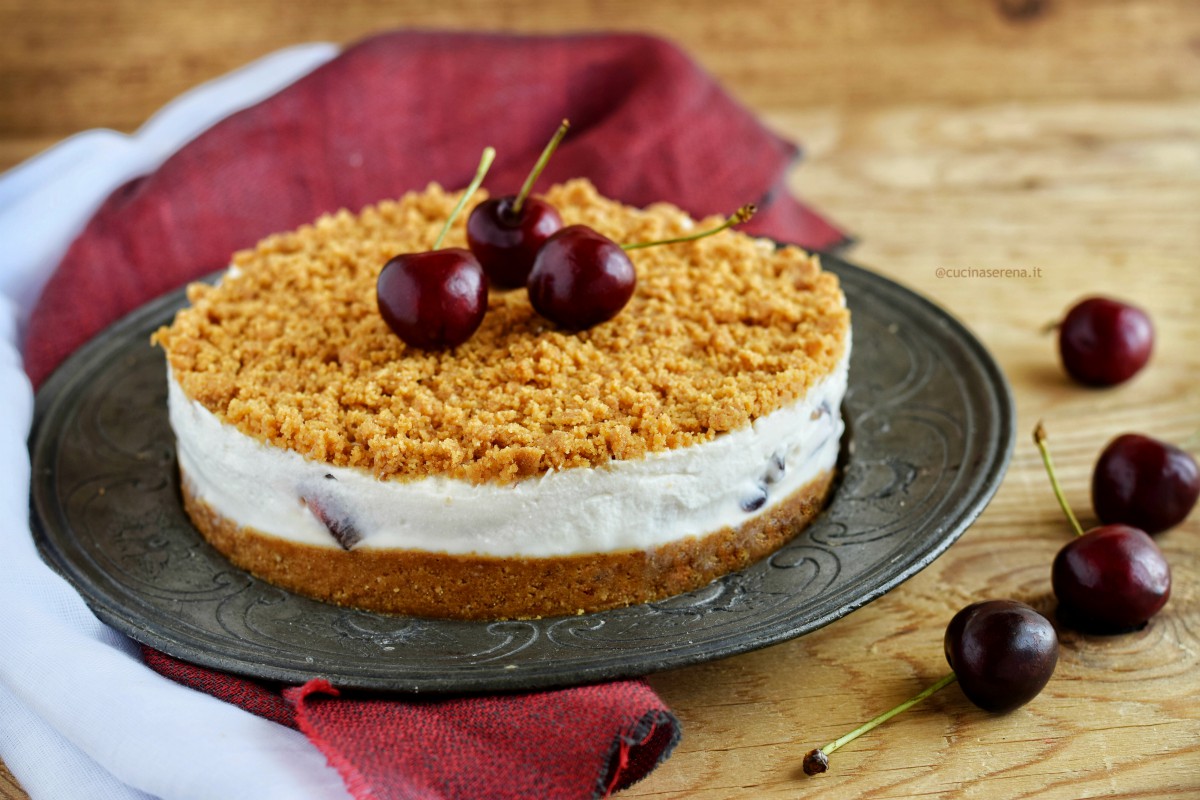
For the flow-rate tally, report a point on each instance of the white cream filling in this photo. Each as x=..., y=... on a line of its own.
x=636, y=504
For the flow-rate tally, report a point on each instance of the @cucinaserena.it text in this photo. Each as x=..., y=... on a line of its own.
x=975, y=272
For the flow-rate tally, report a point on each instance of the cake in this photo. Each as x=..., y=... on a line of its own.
x=530, y=471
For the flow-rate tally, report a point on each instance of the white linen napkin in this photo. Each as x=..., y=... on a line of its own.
x=80, y=715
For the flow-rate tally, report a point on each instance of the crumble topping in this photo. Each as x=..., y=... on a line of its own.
x=290, y=347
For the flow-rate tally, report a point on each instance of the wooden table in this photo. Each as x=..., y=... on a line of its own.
x=1057, y=135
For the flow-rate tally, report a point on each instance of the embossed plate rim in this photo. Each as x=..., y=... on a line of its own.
x=124, y=612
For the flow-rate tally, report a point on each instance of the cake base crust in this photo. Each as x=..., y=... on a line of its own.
x=487, y=587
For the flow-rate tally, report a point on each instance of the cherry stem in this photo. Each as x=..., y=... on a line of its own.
x=817, y=761
x=1039, y=438
x=485, y=163
x=743, y=214
x=542, y=161
x=1192, y=443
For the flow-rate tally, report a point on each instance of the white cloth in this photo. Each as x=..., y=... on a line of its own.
x=80, y=715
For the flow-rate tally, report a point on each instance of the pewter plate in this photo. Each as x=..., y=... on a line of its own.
x=929, y=434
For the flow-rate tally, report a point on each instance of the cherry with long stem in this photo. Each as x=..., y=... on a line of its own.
x=505, y=233
x=743, y=214
x=540, y=165
x=485, y=163
x=437, y=298
x=1110, y=579
x=1039, y=438
x=1001, y=653
x=581, y=278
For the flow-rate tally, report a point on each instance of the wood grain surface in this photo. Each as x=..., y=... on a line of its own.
x=1060, y=137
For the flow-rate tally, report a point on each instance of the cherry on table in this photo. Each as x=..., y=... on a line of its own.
x=581, y=278
x=1104, y=342
x=1109, y=579
x=505, y=233
x=1001, y=652
x=1141, y=481
x=438, y=298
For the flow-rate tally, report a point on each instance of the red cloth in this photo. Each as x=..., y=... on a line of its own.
x=586, y=741
x=398, y=111
x=389, y=115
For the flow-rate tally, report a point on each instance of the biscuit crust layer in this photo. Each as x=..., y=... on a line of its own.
x=483, y=587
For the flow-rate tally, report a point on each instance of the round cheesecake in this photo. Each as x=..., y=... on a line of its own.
x=529, y=471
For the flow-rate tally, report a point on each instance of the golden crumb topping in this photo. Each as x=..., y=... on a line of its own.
x=290, y=348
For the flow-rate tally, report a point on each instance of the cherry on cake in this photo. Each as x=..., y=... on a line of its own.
x=529, y=471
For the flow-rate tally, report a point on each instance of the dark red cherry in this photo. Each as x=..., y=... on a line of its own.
x=580, y=278
x=1104, y=342
x=506, y=241
x=1003, y=653
x=1110, y=579
x=505, y=233
x=435, y=299
x=336, y=520
x=1143, y=482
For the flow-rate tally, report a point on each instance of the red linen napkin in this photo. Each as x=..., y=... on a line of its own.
x=388, y=115
x=587, y=741
x=400, y=110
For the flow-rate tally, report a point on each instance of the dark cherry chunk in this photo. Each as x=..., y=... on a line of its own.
x=754, y=499
x=339, y=524
x=776, y=469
